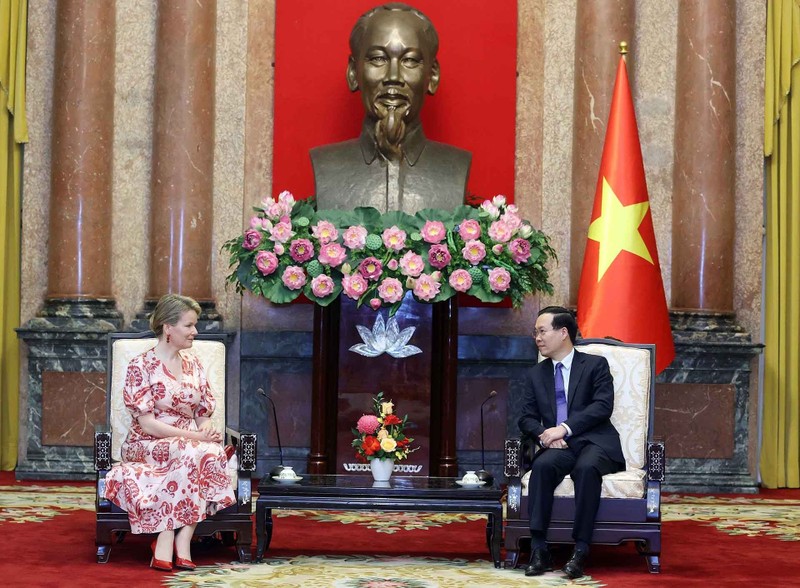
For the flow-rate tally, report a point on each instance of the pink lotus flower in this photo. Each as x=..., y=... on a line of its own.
x=512, y=220
x=497, y=249
x=499, y=279
x=274, y=210
x=392, y=265
x=499, y=200
x=391, y=290
x=255, y=222
x=355, y=238
x=321, y=286
x=354, y=286
x=371, y=268
x=266, y=262
x=332, y=254
x=287, y=199
x=426, y=288
x=411, y=264
x=281, y=232
x=278, y=249
x=460, y=280
x=294, y=277
x=301, y=250
x=439, y=256
x=474, y=252
x=252, y=239
x=368, y=424
x=469, y=229
x=434, y=232
x=324, y=232
x=490, y=209
x=266, y=224
x=375, y=303
x=500, y=231
x=520, y=250
x=394, y=238
x=525, y=231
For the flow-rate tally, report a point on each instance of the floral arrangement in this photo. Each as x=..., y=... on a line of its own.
x=380, y=435
x=488, y=252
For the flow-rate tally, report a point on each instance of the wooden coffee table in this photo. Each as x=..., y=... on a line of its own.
x=359, y=492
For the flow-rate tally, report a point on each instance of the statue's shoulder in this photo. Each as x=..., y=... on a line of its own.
x=442, y=153
x=336, y=152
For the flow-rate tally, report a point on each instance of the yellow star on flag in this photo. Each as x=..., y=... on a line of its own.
x=617, y=229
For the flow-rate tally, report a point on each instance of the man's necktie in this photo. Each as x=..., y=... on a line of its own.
x=561, y=396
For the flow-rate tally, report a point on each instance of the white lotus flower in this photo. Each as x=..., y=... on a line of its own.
x=385, y=338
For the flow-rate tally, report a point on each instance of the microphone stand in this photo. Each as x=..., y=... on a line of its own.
x=482, y=474
x=276, y=471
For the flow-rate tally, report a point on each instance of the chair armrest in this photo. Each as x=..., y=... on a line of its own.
x=246, y=448
x=512, y=461
x=102, y=448
x=656, y=461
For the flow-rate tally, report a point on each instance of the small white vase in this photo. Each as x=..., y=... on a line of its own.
x=381, y=469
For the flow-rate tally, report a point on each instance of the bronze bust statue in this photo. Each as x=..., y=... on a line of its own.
x=392, y=165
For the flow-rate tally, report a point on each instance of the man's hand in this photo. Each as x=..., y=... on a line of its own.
x=551, y=436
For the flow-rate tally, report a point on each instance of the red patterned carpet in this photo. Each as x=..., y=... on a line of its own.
x=707, y=541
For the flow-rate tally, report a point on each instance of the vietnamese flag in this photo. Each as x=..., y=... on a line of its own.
x=621, y=293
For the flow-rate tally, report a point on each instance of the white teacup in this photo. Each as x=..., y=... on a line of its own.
x=470, y=478
x=287, y=473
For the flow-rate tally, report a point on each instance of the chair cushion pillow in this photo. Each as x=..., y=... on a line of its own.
x=625, y=484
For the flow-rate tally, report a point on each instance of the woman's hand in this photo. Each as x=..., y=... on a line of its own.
x=208, y=433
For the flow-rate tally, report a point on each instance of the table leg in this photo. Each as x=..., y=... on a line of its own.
x=263, y=530
x=494, y=535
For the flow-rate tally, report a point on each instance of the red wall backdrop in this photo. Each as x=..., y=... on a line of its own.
x=474, y=108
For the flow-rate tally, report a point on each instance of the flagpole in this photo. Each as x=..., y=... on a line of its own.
x=623, y=49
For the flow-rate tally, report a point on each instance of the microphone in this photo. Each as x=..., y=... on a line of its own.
x=482, y=474
x=276, y=471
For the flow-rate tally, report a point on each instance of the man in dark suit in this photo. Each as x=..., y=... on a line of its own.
x=567, y=410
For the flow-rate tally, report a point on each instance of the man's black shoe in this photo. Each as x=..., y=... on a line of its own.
x=539, y=563
x=574, y=567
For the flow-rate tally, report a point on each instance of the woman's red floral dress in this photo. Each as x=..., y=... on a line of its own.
x=164, y=484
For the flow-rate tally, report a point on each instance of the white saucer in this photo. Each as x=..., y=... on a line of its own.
x=287, y=480
x=470, y=484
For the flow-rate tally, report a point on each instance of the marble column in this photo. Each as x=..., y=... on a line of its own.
x=705, y=156
x=66, y=340
x=182, y=182
x=704, y=396
x=600, y=27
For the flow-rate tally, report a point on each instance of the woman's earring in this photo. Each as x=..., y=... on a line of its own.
x=167, y=337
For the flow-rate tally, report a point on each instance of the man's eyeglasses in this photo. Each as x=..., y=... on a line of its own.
x=541, y=332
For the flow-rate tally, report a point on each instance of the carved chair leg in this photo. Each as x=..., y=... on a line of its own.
x=652, y=557
x=103, y=553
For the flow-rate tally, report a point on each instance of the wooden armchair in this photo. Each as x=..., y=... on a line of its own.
x=630, y=503
x=235, y=523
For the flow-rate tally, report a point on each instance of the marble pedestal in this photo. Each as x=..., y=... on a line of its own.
x=703, y=402
x=66, y=387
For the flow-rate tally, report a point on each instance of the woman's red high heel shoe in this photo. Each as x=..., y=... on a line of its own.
x=159, y=564
x=184, y=564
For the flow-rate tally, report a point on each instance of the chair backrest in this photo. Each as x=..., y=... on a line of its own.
x=123, y=347
x=633, y=369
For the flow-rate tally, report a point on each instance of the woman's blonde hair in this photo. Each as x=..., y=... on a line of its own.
x=169, y=310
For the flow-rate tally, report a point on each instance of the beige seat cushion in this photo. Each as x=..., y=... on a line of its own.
x=630, y=368
x=627, y=484
x=211, y=355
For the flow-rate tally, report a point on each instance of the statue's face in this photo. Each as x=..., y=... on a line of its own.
x=395, y=66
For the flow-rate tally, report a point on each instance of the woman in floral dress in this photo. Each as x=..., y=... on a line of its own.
x=172, y=473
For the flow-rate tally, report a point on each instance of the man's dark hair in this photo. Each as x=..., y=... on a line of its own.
x=562, y=318
x=361, y=25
